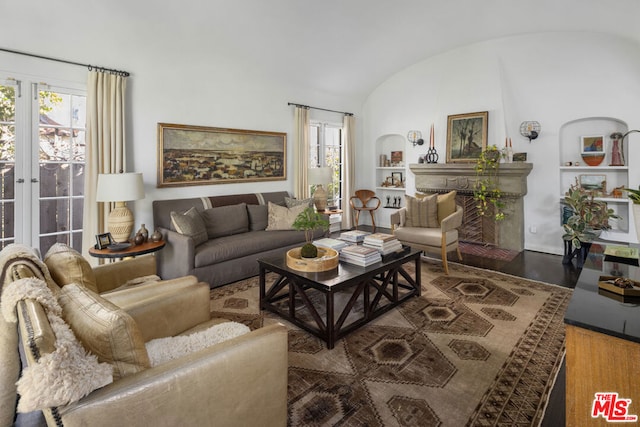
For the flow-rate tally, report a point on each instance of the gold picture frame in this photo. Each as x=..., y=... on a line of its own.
x=200, y=155
x=466, y=136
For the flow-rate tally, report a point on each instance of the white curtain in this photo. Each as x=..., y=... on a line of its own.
x=301, y=153
x=105, y=146
x=349, y=161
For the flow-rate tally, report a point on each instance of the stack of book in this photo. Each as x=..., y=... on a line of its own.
x=327, y=242
x=385, y=243
x=360, y=255
x=354, y=236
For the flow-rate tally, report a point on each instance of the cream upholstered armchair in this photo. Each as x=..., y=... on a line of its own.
x=241, y=381
x=430, y=224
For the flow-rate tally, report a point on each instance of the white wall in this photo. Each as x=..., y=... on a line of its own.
x=552, y=78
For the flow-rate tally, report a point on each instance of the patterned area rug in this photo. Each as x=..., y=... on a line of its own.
x=478, y=348
x=487, y=251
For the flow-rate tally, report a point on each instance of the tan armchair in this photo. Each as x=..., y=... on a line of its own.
x=365, y=200
x=239, y=382
x=442, y=239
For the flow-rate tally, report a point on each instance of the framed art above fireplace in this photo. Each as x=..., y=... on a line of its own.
x=466, y=136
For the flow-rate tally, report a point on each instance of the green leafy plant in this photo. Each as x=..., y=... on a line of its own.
x=589, y=216
x=486, y=192
x=634, y=195
x=310, y=220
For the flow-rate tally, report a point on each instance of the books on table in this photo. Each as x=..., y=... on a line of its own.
x=327, y=242
x=360, y=255
x=354, y=236
x=385, y=243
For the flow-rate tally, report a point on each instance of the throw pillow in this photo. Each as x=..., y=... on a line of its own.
x=162, y=350
x=282, y=218
x=446, y=205
x=291, y=202
x=67, y=265
x=105, y=330
x=226, y=220
x=190, y=224
x=422, y=212
x=258, y=217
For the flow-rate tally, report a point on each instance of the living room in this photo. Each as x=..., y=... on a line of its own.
x=396, y=68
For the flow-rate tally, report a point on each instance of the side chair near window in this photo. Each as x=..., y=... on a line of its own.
x=132, y=358
x=365, y=200
x=430, y=223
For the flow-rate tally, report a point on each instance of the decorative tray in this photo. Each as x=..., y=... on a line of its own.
x=118, y=246
x=608, y=283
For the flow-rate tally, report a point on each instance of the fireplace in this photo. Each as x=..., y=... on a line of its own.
x=512, y=179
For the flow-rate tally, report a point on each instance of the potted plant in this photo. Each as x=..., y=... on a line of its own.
x=589, y=216
x=310, y=220
x=486, y=191
x=634, y=195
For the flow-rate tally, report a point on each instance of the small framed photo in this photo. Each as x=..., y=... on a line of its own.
x=592, y=144
x=103, y=240
x=396, y=158
x=595, y=183
x=396, y=178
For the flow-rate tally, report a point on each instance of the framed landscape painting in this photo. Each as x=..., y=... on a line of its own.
x=466, y=136
x=198, y=155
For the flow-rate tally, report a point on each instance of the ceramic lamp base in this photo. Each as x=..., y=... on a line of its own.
x=320, y=198
x=120, y=223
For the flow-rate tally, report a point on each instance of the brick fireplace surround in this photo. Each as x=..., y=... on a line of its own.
x=512, y=179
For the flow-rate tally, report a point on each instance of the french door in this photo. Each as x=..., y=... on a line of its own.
x=42, y=160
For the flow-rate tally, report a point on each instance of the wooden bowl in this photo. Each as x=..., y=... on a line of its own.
x=593, y=159
x=327, y=259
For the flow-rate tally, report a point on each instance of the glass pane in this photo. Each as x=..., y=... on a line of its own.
x=54, y=180
x=7, y=104
x=78, y=111
x=332, y=136
x=54, y=215
x=76, y=222
x=7, y=215
x=78, y=180
x=78, y=146
x=55, y=109
x=47, y=241
x=7, y=180
x=7, y=142
x=76, y=239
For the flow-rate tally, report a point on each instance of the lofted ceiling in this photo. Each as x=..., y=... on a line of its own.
x=345, y=47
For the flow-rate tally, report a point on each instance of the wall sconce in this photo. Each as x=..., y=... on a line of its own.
x=415, y=137
x=530, y=129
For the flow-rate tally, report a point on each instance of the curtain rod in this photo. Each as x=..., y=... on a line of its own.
x=90, y=67
x=317, y=108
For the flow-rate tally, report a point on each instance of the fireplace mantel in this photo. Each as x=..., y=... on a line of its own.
x=512, y=179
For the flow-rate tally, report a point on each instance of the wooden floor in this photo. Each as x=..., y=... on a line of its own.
x=542, y=267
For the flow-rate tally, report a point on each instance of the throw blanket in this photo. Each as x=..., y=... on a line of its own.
x=63, y=376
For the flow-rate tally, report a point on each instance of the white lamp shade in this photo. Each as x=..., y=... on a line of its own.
x=120, y=187
x=319, y=176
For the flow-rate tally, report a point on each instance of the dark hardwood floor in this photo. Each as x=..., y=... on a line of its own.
x=542, y=267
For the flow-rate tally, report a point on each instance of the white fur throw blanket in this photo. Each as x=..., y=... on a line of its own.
x=162, y=350
x=67, y=374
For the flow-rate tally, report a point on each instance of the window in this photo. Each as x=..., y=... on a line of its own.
x=42, y=159
x=325, y=148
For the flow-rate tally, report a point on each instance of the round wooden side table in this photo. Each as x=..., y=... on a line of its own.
x=131, y=251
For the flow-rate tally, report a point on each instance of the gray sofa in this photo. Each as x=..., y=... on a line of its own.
x=231, y=251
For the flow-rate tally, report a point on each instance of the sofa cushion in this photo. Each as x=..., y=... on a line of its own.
x=446, y=205
x=190, y=224
x=290, y=202
x=67, y=265
x=258, y=217
x=226, y=220
x=282, y=218
x=105, y=330
x=240, y=245
x=422, y=212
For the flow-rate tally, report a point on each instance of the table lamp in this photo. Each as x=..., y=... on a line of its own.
x=318, y=177
x=120, y=188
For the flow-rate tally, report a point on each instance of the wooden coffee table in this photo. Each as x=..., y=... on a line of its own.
x=332, y=304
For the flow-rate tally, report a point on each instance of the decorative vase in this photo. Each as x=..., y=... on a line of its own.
x=139, y=239
x=156, y=236
x=144, y=232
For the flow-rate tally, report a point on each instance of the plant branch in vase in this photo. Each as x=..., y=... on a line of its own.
x=310, y=220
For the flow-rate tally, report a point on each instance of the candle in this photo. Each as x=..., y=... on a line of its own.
x=431, y=142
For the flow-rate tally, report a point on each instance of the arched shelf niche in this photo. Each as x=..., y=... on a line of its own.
x=388, y=169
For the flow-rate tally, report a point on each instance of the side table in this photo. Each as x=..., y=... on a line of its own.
x=131, y=251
